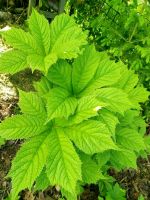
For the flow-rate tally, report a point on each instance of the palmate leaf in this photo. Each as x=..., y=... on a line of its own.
x=116, y=99
x=64, y=31
x=90, y=137
x=32, y=104
x=40, y=30
x=130, y=139
x=63, y=165
x=90, y=170
x=13, y=61
x=60, y=74
x=21, y=40
x=108, y=72
x=21, y=126
x=60, y=103
x=29, y=163
x=84, y=68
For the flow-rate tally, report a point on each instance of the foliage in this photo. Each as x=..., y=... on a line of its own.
x=122, y=29
x=83, y=117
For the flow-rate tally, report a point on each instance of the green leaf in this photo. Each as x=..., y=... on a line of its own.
x=90, y=137
x=64, y=31
x=116, y=99
x=31, y=103
x=36, y=61
x=13, y=61
x=132, y=119
x=29, y=163
x=87, y=107
x=128, y=80
x=103, y=158
x=141, y=197
x=90, y=170
x=49, y=60
x=21, y=126
x=145, y=52
x=130, y=139
x=21, y=40
x=60, y=74
x=108, y=72
x=63, y=164
x=84, y=68
x=115, y=192
x=40, y=30
x=123, y=159
x=68, y=195
x=2, y=141
x=60, y=103
x=138, y=95
x=43, y=86
x=109, y=119
x=42, y=181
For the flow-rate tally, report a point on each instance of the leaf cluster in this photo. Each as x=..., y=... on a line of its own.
x=83, y=117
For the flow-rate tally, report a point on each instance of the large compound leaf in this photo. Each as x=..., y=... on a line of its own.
x=64, y=31
x=130, y=139
x=60, y=103
x=63, y=166
x=40, y=30
x=90, y=137
x=29, y=163
x=116, y=99
x=108, y=72
x=31, y=103
x=21, y=40
x=84, y=68
x=60, y=74
x=21, y=126
x=13, y=61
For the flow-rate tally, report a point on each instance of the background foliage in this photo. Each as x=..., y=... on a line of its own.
x=122, y=29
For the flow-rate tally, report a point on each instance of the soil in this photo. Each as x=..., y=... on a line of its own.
x=135, y=182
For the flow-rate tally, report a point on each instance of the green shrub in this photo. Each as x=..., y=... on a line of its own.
x=84, y=116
